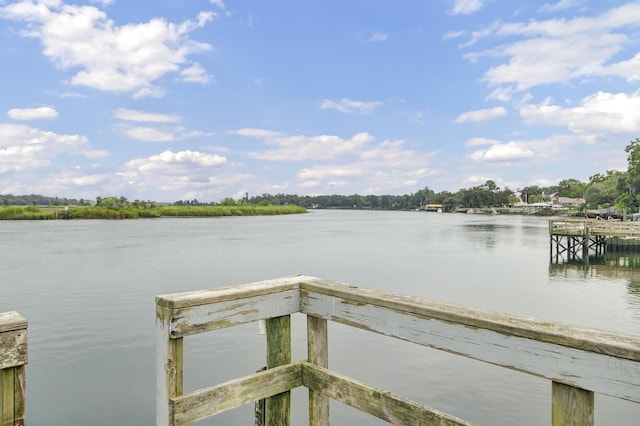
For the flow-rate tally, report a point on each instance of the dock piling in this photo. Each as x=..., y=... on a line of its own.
x=13, y=359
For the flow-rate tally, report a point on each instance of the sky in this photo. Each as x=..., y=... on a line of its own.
x=170, y=100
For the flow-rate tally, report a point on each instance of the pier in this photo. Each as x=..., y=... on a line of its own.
x=573, y=240
x=578, y=362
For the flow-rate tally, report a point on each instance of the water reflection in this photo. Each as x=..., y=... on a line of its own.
x=609, y=267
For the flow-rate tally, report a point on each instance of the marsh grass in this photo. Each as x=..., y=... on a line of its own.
x=89, y=212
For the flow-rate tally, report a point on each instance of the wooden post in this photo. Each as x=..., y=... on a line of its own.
x=318, y=353
x=278, y=407
x=13, y=358
x=168, y=366
x=571, y=406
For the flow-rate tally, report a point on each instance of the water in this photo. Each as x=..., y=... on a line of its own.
x=88, y=287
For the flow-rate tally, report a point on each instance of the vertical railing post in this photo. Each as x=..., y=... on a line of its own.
x=13, y=358
x=318, y=353
x=571, y=406
x=168, y=366
x=278, y=407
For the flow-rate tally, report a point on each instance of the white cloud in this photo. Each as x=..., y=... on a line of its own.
x=331, y=161
x=255, y=133
x=301, y=148
x=376, y=37
x=329, y=172
x=466, y=7
x=149, y=134
x=599, y=113
x=481, y=115
x=217, y=3
x=103, y=3
x=196, y=74
x=169, y=162
x=183, y=174
x=481, y=142
x=452, y=34
x=39, y=113
x=349, y=106
x=155, y=134
x=560, y=50
x=127, y=58
x=23, y=147
x=560, y=5
x=499, y=153
x=134, y=115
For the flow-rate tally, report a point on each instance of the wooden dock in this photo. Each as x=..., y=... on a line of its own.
x=574, y=240
x=578, y=362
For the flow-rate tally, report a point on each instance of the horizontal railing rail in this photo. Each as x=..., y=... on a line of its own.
x=578, y=361
x=607, y=228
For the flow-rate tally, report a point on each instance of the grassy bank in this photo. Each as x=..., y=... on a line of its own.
x=89, y=212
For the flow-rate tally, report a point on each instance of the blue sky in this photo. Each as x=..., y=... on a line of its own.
x=168, y=100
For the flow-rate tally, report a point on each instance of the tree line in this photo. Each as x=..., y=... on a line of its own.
x=613, y=189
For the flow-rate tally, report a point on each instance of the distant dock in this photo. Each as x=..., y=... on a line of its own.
x=574, y=240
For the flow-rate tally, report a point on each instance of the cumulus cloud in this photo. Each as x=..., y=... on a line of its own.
x=560, y=50
x=23, y=147
x=481, y=115
x=466, y=7
x=500, y=153
x=188, y=173
x=349, y=106
x=560, y=5
x=127, y=58
x=601, y=112
x=39, y=113
x=332, y=161
x=135, y=115
x=196, y=74
x=158, y=132
x=301, y=148
x=481, y=142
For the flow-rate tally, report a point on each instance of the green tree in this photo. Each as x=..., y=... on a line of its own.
x=571, y=188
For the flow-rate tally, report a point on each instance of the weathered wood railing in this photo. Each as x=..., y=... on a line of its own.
x=578, y=361
x=13, y=358
x=606, y=228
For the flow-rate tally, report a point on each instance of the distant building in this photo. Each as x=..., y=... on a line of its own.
x=567, y=202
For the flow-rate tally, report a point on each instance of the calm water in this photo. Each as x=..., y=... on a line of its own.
x=88, y=287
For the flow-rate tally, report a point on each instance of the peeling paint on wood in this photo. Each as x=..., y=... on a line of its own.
x=13, y=357
x=578, y=361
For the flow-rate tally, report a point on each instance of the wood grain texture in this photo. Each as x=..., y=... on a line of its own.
x=318, y=354
x=207, y=402
x=476, y=336
x=376, y=402
x=571, y=406
x=13, y=340
x=278, y=407
x=12, y=320
x=202, y=318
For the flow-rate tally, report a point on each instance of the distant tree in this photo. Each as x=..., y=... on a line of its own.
x=228, y=202
x=571, y=188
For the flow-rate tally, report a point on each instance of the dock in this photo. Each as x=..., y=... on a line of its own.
x=575, y=239
x=578, y=362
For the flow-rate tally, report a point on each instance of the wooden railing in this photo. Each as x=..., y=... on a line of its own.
x=13, y=358
x=578, y=361
x=607, y=228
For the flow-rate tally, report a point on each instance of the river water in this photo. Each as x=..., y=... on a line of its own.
x=88, y=287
